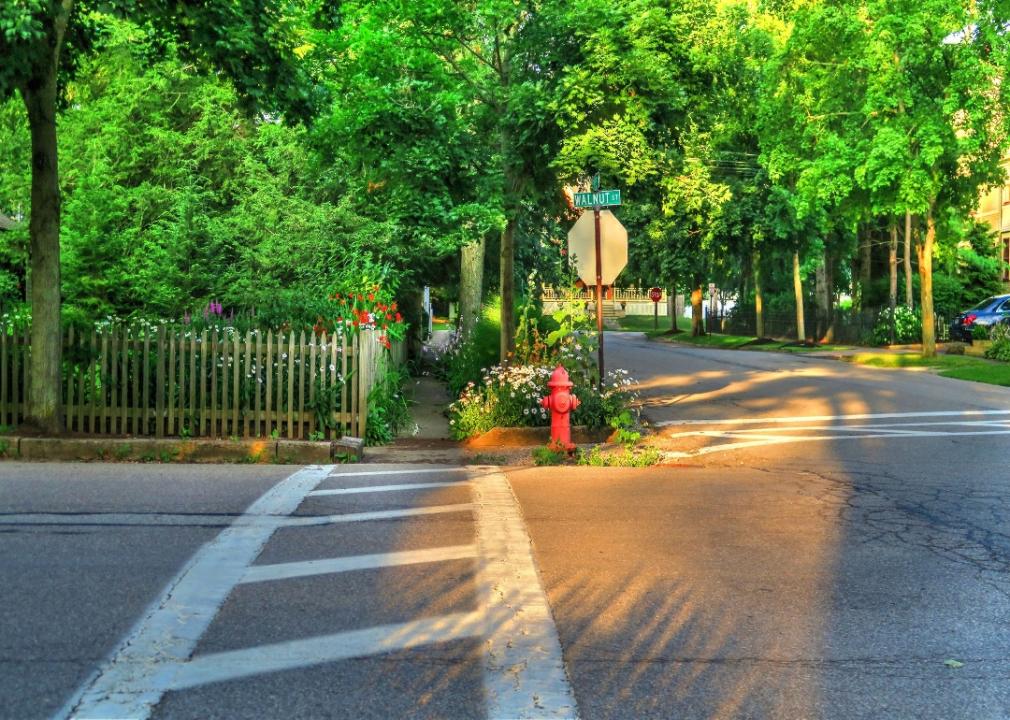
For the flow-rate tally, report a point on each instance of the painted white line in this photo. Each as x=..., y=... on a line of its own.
x=778, y=440
x=117, y=519
x=386, y=488
x=524, y=674
x=219, y=667
x=405, y=471
x=132, y=681
x=309, y=520
x=284, y=571
x=823, y=418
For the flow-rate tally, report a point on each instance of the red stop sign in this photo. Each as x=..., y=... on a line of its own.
x=655, y=295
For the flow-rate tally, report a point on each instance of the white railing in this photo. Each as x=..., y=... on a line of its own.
x=626, y=295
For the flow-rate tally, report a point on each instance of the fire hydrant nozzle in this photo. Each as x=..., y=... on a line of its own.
x=561, y=402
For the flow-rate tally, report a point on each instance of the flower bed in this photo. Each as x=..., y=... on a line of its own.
x=510, y=397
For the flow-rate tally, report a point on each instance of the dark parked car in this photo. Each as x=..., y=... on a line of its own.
x=988, y=312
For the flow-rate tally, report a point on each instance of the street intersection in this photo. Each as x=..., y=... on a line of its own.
x=826, y=541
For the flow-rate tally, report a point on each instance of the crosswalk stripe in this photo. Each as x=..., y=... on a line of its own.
x=309, y=520
x=284, y=571
x=386, y=488
x=235, y=664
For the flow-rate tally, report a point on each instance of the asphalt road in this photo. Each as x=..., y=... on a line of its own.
x=805, y=557
x=827, y=541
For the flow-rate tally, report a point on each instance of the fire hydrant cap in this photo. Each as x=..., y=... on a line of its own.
x=559, y=378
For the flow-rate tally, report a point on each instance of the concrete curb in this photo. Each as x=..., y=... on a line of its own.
x=165, y=450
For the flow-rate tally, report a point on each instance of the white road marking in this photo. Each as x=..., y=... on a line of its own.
x=823, y=418
x=132, y=681
x=409, y=471
x=235, y=664
x=386, y=488
x=778, y=440
x=309, y=520
x=117, y=519
x=524, y=673
x=283, y=571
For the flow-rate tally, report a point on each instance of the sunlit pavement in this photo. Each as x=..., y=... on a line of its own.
x=347, y=592
x=827, y=542
x=831, y=542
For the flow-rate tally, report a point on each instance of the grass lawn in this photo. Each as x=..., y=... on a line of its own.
x=644, y=323
x=958, y=367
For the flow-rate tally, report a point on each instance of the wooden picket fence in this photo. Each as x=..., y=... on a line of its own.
x=163, y=381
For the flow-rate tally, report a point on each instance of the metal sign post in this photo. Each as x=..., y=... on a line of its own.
x=617, y=247
x=599, y=290
x=655, y=294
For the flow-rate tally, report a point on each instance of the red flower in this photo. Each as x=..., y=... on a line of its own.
x=393, y=307
x=399, y=317
x=371, y=297
x=360, y=297
x=389, y=316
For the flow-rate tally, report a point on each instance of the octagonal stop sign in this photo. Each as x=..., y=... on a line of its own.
x=613, y=247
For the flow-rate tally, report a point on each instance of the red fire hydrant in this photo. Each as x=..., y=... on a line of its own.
x=561, y=403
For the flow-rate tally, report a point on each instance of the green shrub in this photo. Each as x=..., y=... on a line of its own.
x=954, y=348
x=980, y=332
x=510, y=397
x=548, y=456
x=388, y=410
x=1000, y=347
x=908, y=326
x=465, y=360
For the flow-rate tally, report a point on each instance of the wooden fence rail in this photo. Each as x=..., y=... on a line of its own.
x=160, y=380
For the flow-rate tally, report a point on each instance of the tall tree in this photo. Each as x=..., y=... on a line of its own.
x=42, y=42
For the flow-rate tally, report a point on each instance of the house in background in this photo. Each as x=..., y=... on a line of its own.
x=994, y=210
x=6, y=223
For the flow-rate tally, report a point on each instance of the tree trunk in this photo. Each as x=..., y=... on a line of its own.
x=801, y=332
x=697, y=328
x=821, y=297
x=908, y=260
x=759, y=301
x=925, y=254
x=671, y=301
x=825, y=296
x=506, y=280
x=865, y=268
x=45, y=407
x=471, y=284
x=892, y=264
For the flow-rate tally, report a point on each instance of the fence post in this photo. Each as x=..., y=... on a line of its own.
x=267, y=427
x=159, y=387
x=291, y=385
x=345, y=401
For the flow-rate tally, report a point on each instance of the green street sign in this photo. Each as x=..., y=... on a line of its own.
x=603, y=198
